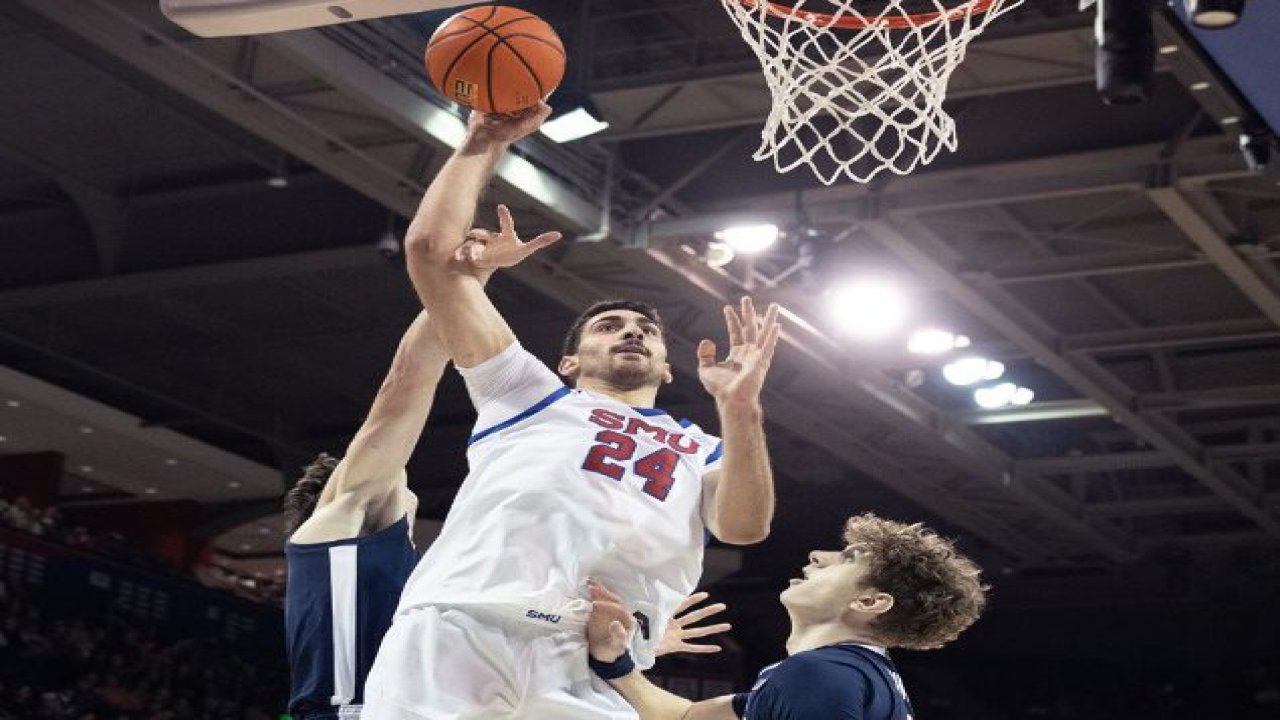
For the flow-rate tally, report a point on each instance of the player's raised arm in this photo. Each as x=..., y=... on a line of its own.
x=738, y=495
x=469, y=325
x=368, y=490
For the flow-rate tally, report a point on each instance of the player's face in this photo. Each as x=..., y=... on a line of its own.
x=622, y=348
x=829, y=586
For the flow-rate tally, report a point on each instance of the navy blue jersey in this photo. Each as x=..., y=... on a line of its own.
x=339, y=602
x=836, y=682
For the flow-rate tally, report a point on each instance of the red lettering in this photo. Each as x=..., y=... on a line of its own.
x=682, y=444
x=608, y=420
x=635, y=425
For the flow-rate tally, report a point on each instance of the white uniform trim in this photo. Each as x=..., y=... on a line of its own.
x=342, y=591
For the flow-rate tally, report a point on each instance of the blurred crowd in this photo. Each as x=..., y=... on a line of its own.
x=66, y=667
x=258, y=587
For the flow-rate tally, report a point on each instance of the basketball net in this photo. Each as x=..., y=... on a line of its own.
x=857, y=93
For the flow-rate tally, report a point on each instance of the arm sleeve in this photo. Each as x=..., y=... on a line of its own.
x=805, y=690
x=508, y=384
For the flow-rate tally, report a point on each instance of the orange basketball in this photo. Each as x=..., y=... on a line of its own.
x=495, y=59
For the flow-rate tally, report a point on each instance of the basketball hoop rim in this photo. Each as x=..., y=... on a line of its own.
x=848, y=22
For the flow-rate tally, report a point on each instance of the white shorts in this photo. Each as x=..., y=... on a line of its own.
x=447, y=663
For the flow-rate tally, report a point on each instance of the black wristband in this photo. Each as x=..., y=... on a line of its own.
x=612, y=670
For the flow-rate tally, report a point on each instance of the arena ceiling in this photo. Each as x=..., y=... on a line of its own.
x=1119, y=260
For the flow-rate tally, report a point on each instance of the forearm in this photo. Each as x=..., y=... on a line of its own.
x=650, y=701
x=448, y=208
x=382, y=446
x=744, y=500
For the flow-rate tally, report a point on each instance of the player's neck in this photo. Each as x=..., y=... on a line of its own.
x=807, y=637
x=645, y=397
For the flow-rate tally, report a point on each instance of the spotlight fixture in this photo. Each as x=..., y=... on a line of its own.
x=576, y=124
x=869, y=308
x=749, y=238
x=1256, y=148
x=1002, y=395
x=935, y=342
x=719, y=254
x=972, y=370
x=1214, y=14
x=1126, y=53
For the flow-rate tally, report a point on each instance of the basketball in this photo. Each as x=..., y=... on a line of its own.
x=495, y=59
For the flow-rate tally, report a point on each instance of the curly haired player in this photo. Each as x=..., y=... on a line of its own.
x=893, y=586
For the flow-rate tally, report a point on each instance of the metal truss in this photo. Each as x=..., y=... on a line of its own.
x=855, y=417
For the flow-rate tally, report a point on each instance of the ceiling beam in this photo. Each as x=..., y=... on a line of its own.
x=1009, y=517
x=919, y=246
x=1214, y=244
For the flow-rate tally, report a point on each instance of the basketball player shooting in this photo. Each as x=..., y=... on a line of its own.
x=566, y=483
x=892, y=586
x=350, y=523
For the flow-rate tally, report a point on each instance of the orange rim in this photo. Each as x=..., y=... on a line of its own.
x=900, y=22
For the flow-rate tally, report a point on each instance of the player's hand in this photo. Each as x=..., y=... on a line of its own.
x=609, y=625
x=486, y=251
x=683, y=628
x=738, y=378
x=494, y=129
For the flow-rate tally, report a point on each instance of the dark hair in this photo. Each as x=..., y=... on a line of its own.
x=936, y=591
x=574, y=337
x=301, y=500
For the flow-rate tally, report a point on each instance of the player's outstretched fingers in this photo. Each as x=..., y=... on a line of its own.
x=750, y=321
x=506, y=223
x=543, y=240
x=690, y=601
x=698, y=632
x=702, y=614
x=599, y=593
x=734, y=324
x=706, y=357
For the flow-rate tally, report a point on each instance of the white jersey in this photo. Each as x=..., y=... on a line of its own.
x=567, y=485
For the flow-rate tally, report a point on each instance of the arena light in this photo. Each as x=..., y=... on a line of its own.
x=869, y=309
x=574, y=125
x=1003, y=395
x=719, y=254
x=972, y=370
x=1256, y=149
x=749, y=238
x=1214, y=14
x=931, y=341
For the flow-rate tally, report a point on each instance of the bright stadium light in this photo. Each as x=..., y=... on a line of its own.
x=573, y=125
x=719, y=254
x=972, y=370
x=1214, y=14
x=749, y=238
x=868, y=308
x=935, y=342
x=1002, y=395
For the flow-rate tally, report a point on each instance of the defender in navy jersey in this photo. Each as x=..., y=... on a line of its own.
x=350, y=550
x=893, y=586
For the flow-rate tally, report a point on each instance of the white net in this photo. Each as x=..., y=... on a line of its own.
x=859, y=90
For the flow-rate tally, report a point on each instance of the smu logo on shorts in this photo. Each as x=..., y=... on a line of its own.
x=547, y=617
